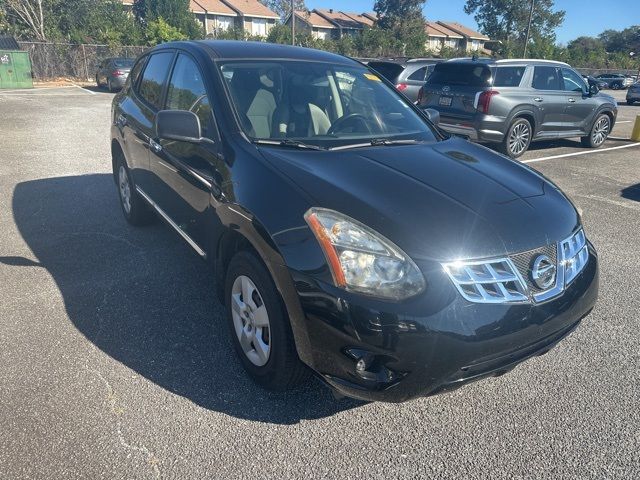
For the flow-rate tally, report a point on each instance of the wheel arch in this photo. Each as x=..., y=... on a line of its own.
x=239, y=235
x=527, y=115
x=117, y=155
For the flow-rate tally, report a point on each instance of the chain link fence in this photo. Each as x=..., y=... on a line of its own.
x=67, y=60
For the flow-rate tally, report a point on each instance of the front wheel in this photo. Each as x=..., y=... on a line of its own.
x=518, y=138
x=630, y=102
x=259, y=325
x=599, y=132
x=616, y=86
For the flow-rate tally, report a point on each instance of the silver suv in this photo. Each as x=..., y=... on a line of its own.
x=511, y=103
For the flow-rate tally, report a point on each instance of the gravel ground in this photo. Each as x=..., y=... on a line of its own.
x=115, y=361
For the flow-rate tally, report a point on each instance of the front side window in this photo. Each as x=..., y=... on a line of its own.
x=319, y=103
x=572, y=81
x=546, y=78
x=154, y=77
x=186, y=91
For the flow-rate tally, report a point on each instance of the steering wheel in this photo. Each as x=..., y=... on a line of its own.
x=354, y=118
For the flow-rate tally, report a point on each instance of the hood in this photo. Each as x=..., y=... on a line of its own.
x=444, y=201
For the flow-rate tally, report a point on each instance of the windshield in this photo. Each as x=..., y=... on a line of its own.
x=319, y=104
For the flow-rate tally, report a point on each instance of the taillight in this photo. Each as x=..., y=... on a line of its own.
x=420, y=95
x=402, y=87
x=117, y=73
x=484, y=100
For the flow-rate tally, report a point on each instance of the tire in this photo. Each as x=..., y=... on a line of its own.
x=518, y=138
x=616, y=86
x=109, y=86
x=267, y=353
x=630, y=102
x=98, y=82
x=599, y=132
x=135, y=210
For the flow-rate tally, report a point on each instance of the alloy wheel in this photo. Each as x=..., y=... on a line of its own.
x=125, y=188
x=519, y=138
x=251, y=320
x=600, y=131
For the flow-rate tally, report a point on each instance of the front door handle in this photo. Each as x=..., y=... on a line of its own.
x=572, y=100
x=155, y=146
x=121, y=121
x=537, y=99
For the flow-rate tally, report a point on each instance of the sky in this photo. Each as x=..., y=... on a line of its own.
x=583, y=17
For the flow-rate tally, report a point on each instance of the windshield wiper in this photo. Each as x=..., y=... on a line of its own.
x=379, y=142
x=285, y=142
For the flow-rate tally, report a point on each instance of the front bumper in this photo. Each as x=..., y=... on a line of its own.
x=432, y=343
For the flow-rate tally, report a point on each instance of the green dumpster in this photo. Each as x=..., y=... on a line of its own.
x=15, y=69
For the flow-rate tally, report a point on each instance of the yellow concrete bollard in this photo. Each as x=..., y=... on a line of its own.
x=635, y=135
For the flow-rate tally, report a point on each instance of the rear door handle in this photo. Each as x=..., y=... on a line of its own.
x=572, y=100
x=538, y=99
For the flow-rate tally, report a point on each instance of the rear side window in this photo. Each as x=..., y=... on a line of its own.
x=508, y=76
x=187, y=92
x=463, y=74
x=418, y=74
x=154, y=77
x=546, y=78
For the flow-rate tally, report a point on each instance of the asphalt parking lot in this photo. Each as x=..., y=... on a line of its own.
x=115, y=361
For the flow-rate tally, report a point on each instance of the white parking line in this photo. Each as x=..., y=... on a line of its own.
x=84, y=89
x=624, y=121
x=575, y=154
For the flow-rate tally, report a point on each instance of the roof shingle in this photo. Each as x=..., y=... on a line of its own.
x=315, y=20
x=251, y=8
x=216, y=7
x=339, y=18
x=465, y=31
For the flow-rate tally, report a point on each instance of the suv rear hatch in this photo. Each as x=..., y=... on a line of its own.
x=455, y=90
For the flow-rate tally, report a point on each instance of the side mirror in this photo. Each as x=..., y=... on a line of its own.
x=593, y=89
x=433, y=115
x=179, y=125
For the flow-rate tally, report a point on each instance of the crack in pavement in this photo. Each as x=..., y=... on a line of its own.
x=118, y=411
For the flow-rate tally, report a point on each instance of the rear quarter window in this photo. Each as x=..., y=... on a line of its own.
x=154, y=77
x=462, y=74
x=508, y=76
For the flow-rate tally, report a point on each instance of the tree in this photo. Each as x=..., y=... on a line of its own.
x=174, y=13
x=283, y=7
x=30, y=13
x=405, y=20
x=506, y=21
x=159, y=31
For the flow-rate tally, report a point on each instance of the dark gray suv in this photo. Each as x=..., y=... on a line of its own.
x=514, y=102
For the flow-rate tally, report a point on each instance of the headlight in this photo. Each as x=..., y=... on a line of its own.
x=362, y=260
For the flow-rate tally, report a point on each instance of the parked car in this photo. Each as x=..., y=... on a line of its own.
x=408, y=76
x=113, y=73
x=633, y=94
x=615, y=81
x=347, y=233
x=510, y=103
x=594, y=81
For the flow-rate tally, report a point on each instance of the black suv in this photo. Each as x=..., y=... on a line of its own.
x=347, y=234
x=511, y=103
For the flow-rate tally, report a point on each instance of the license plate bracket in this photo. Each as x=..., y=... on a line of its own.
x=445, y=101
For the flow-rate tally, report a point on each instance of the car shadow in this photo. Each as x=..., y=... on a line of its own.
x=144, y=298
x=632, y=192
